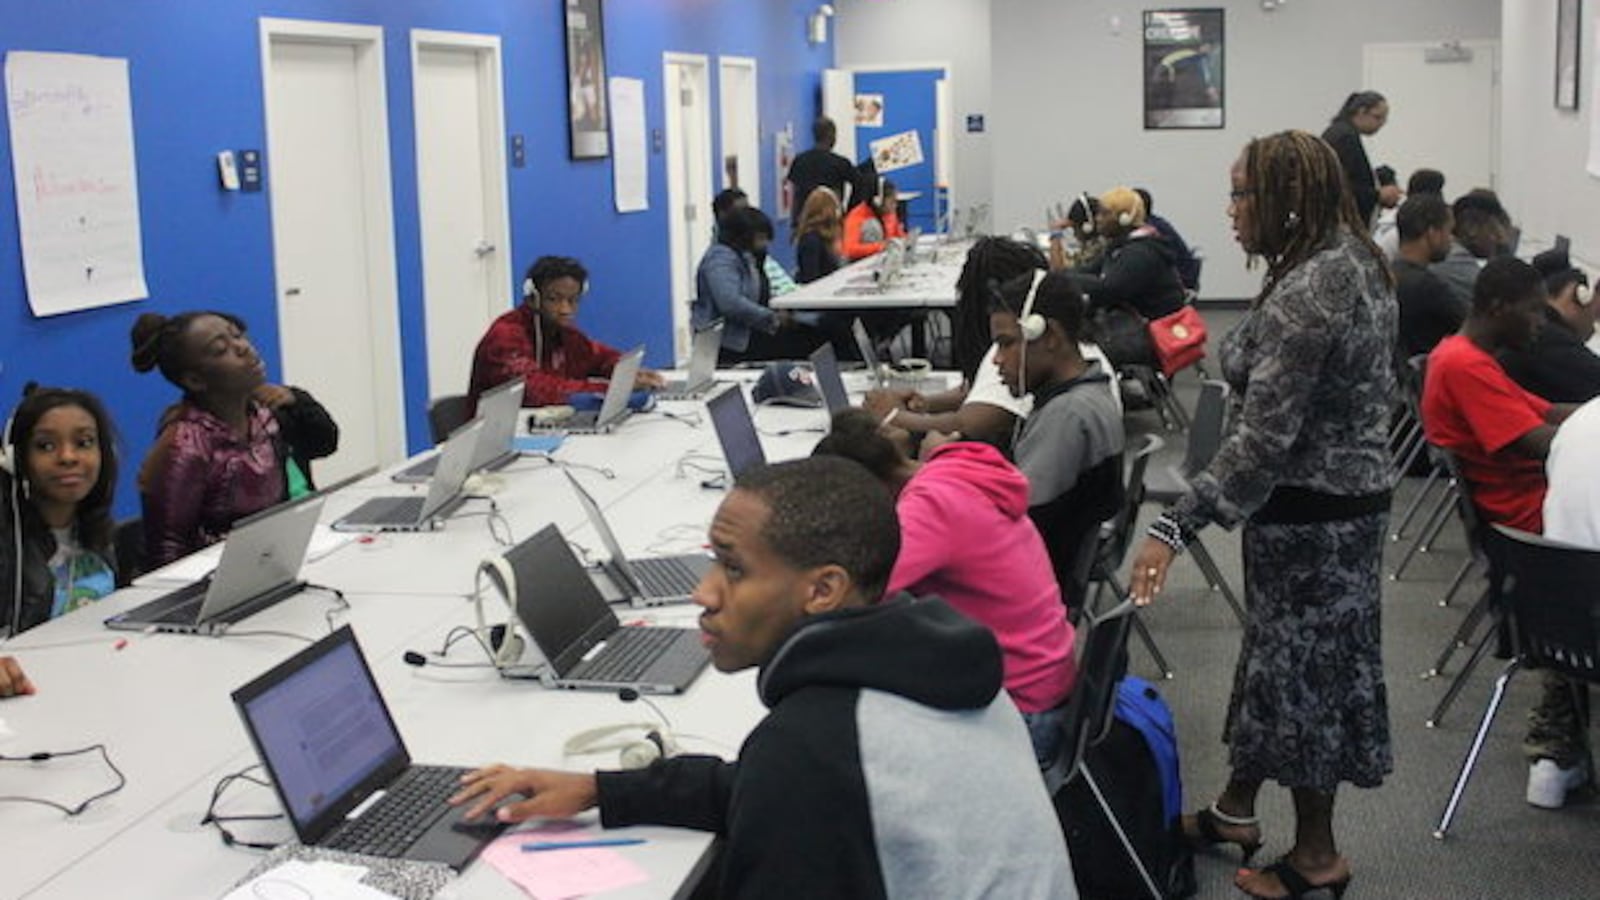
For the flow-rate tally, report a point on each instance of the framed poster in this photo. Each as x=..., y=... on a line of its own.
x=1183, y=68
x=1568, y=52
x=588, y=119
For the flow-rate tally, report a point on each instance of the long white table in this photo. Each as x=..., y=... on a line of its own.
x=927, y=280
x=161, y=702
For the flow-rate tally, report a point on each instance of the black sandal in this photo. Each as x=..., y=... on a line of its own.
x=1297, y=885
x=1210, y=821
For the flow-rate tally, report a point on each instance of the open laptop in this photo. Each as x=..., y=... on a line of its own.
x=336, y=760
x=736, y=431
x=422, y=513
x=613, y=409
x=645, y=581
x=583, y=643
x=260, y=565
x=825, y=372
x=890, y=374
x=702, y=375
x=494, y=450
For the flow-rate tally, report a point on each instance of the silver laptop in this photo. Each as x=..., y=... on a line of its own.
x=584, y=645
x=331, y=750
x=736, y=431
x=702, y=375
x=498, y=408
x=825, y=372
x=644, y=581
x=613, y=409
x=260, y=565
x=422, y=513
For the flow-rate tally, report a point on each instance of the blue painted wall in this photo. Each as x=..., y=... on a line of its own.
x=196, y=86
x=910, y=103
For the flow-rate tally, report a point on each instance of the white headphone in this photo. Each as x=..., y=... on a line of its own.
x=498, y=571
x=1125, y=218
x=646, y=744
x=1032, y=324
x=1088, y=213
x=1582, y=293
x=8, y=454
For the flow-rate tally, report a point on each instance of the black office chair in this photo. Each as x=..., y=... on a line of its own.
x=446, y=414
x=1088, y=721
x=127, y=541
x=1485, y=609
x=1115, y=537
x=1552, y=607
x=1165, y=486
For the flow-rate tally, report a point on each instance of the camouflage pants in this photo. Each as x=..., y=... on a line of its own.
x=1555, y=729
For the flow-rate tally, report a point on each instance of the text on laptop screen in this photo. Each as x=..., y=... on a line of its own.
x=322, y=730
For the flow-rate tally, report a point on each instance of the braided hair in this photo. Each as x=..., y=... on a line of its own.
x=992, y=261
x=158, y=342
x=1302, y=201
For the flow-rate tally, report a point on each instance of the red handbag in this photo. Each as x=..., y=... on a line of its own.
x=1179, y=339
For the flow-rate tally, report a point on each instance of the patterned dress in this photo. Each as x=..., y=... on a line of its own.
x=1305, y=468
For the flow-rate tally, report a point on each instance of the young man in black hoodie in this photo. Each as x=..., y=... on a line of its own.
x=891, y=764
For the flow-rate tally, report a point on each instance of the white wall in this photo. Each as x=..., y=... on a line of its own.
x=1543, y=149
x=1066, y=109
x=919, y=32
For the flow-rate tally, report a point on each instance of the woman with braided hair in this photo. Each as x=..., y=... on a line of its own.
x=1305, y=470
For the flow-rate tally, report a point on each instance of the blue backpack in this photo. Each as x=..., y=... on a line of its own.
x=1140, y=705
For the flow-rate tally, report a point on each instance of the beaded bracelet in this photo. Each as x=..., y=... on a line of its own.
x=1167, y=530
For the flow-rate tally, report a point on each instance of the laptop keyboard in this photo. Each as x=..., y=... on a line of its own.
x=390, y=511
x=414, y=801
x=185, y=603
x=631, y=652
x=670, y=576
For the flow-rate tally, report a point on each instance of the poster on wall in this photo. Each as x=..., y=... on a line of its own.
x=1183, y=68
x=782, y=158
x=897, y=151
x=869, y=110
x=588, y=117
x=77, y=193
x=1569, y=40
x=630, y=174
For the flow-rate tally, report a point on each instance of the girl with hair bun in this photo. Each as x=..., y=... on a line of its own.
x=233, y=446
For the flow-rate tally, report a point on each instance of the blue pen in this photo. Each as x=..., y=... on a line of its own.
x=564, y=845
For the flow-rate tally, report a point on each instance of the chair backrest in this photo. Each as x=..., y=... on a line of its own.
x=1116, y=538
x=1466, y=509
x=1094, y=695
x=127, y=541
x=1205, y=429
x=446, y=414
x=1549, y=591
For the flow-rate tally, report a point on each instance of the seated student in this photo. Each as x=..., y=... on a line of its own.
x=1429, y=310
x=1183, y=258
x=540, y=343
x=64, y=451
x=966, y=538
x=1559, y=366
x=891, y=763
x=1081, y=218
x=1389, y=199
x=1136, y=275
x=729, y=286
x=233, y=446
x=1482, y=230
x=816, y=238
x=872, y=223
x=729, y=199
x=1071, y=444
x=1422, y=181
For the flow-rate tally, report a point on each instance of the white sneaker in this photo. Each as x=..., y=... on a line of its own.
x=1548, y=783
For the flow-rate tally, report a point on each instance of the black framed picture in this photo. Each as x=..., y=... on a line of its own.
x=1183, y=68
x=588, y=118
x=1569, y=52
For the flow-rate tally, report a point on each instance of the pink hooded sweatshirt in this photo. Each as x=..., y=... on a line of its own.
x=965, y=536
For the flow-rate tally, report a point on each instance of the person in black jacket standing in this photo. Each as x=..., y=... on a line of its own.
x=1362, y=115
x=820, y=167
x=891, y=763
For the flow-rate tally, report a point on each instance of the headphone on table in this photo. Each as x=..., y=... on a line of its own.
x=505, y=641
x=646, y=743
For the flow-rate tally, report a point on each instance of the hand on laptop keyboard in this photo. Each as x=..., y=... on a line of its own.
x=550, y=794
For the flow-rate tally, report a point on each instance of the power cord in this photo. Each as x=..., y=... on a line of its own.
x=603, y=471
x=341, y=603
x=493, y=518
x=691, y=419
x=212, y=817
x=45, y=755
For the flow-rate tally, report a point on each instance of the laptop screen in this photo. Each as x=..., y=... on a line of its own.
x=621, y=386
x=322, y=731
x=556, y=600
x=597, y=519
x=825, y=367
x=499, y=408
x=736, y=431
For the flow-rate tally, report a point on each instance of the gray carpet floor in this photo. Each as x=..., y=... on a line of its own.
x=1499, y=846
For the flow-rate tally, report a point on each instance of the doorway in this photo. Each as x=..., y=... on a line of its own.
x=686, y=85
x=1436, y=90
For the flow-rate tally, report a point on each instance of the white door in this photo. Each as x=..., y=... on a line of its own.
x=461, y=194
x=689, y=170
x=1443, y=114
x=333, y=234
x=839, y=104
x=741, y=130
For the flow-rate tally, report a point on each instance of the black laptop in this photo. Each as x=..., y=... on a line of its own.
x=736, y=431
x=330, y=746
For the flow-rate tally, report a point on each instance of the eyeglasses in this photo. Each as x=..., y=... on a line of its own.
x=1240, y=194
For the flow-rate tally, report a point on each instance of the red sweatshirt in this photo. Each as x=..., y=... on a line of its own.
x=569, y=362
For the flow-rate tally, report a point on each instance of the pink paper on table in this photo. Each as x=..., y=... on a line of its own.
x=559, y=874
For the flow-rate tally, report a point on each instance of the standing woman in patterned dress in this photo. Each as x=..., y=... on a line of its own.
x=1305, y=468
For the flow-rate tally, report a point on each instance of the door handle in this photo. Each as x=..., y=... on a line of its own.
x=291, y=292
x=484, y=248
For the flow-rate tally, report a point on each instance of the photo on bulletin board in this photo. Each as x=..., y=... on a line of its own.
x=1183, y=68
x=1569, y=53
x=869, y=110
x=588, y=119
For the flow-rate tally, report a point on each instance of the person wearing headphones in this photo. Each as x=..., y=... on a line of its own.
x=56, y=487
x=1136, y=280
x=233, y=446
x=1559, y=366
x=1070, y=446
x=872, y=223
x=871, y=700
x=965, y=537
x=540, y=343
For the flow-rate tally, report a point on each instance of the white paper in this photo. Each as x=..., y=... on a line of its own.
x=296, y=880
x=629, y=173
x=77, y=192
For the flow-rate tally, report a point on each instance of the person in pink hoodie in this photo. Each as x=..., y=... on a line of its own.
x=965, y=536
